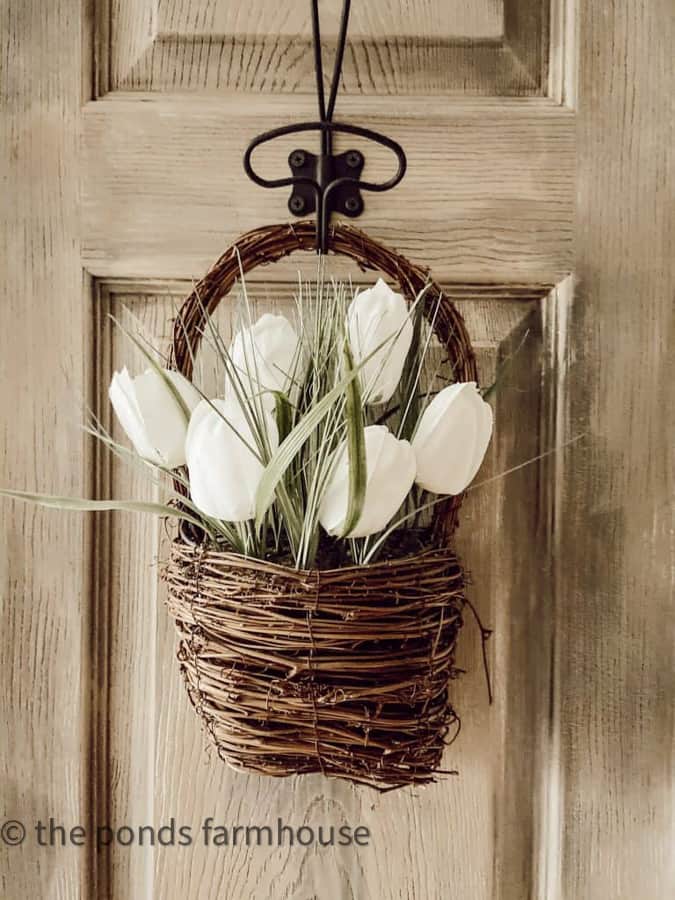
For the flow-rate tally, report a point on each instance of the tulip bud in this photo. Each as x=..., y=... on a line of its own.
x=153, y=419
x=223, y=461
x=268, y=356
x=451, y=439
x=378, y=317
x=390, y=466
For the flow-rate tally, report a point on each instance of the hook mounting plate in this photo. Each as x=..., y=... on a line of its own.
x=324, y=169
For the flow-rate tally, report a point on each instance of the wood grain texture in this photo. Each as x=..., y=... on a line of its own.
x=382, y=18
x=126, y=663
x=562, y=61
x=572, y=558
x=402, y=47
x=614, y=529
x=526, y=32
x=411, y=855
x=43, y=327
x=488, y=193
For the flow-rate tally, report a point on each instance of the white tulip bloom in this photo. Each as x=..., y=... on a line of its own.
x=268, y=356
x=376, y=316
x=150, y=414
x=223, y=461
x=451, y=439
x=390, y=466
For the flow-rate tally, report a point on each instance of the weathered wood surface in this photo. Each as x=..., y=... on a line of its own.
x=598, y=821
x=421, y=839
x=614, y=547
x=485, y=47
x=44, y=316
x=489, y=192
x=381, y=18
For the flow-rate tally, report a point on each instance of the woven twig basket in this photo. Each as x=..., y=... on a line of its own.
x=341, y=671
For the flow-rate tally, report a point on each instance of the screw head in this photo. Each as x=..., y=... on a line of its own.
x=354, y=159
x=352, y=205
x=296, y=204
x=297, y=159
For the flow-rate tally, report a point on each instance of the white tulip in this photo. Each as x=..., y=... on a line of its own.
x=390, y=466
x=223, y=461
x=378, y=317
x=451, y=439
x=268, y=357
x=150, y=414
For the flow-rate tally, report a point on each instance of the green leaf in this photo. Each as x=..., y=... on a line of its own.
x=356, y=448
x=78, y=503
x=411, y=373
x=284, y=415
x=291, y=446
x=414, y=365
x=210, y=525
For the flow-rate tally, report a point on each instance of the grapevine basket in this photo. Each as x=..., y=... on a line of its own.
x=345, y=670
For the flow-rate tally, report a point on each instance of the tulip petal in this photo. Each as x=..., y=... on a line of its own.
x=391, y=471
x=164, y=421
x=451, y=439
x=268, y=357
x=151, y=415
x=484, y=433
x=223, y=467
x=378, y=317
x=188, y=392
x=123, y=399
x=336, y=495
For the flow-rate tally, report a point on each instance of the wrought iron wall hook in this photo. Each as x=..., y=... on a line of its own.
x=326, y=182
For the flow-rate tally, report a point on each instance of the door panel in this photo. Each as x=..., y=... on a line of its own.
x=151, y=741
x=488, y=47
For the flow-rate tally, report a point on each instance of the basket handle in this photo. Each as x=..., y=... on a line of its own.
x=271, y=243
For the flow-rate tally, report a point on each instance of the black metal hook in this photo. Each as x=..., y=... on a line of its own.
x=326, y=182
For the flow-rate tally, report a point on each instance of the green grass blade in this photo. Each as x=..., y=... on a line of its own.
x=288, y=449
x=397, y=524
x=80, y=504
x=504, y=367
x=356, y=447
x=284, y=415
x=414, y=366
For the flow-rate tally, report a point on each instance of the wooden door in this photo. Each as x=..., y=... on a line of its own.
x=536, y=136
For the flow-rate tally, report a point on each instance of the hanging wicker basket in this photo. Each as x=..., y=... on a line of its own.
x=341, y=671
